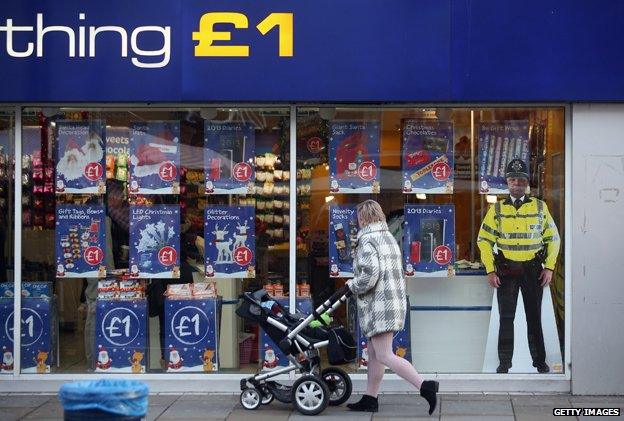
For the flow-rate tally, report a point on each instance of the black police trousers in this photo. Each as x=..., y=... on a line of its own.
x=514, y=277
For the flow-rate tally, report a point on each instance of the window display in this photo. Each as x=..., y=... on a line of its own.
x=445, y=159
x=142, y=264
x=157, y=210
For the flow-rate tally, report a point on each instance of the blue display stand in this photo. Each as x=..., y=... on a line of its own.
x=271, y=356
x=401, y=342
x=121, y=336
x=38, y=335
x=192, y=334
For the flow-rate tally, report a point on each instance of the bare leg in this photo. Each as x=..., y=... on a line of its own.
x=375, y=372
x=382, y=345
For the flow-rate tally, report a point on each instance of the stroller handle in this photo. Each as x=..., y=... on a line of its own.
x=344, y=290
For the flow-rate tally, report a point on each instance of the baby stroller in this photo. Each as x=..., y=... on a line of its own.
x=316, y=388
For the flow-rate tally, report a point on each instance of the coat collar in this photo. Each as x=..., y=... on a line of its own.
x=374, y=227
x=508, y=201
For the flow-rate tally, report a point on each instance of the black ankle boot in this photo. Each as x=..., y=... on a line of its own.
x=429, y=390
x=366, y=404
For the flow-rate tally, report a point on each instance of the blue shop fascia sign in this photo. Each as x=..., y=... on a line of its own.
x=365, y=50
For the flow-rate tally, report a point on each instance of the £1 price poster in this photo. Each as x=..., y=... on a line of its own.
x=230, y=243
x=343, y=231
x=80, y=157
x=427, y=157
x=155, y=157
x=429, y=240
x=155, y=241
x=80, y=241
x=499, y=143
x=354, y=157
x=120, y=336
x=228, y=157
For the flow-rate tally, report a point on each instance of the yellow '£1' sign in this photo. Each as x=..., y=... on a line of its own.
x=207, y=34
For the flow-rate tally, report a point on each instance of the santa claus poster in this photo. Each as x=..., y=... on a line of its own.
x=354, y=157
x=230, y=241
x=427, y=157
x=401, y=342
x=80, y=157
x=155, y=241
x=37, y=344
x=121, y=336
x=191, y=335
x=80, y=241
x=499, y=143
x=429, y=240
x=343, y=231
x=155, y=157
x=271, y=355
x=228, y=157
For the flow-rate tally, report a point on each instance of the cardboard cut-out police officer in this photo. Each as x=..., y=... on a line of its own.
x=526, y=240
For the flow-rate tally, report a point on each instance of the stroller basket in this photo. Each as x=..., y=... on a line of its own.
x=341, y=348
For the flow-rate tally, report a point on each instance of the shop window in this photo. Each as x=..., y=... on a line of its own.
x=435, y=172
x=147, y=225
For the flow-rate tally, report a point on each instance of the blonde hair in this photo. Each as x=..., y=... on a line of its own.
x=369, y=212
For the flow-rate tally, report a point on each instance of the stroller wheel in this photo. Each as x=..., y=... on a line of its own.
x=310, y=395
x=250, y=398
x=267, y=398
x=339, y=384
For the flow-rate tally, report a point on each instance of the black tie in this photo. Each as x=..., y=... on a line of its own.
x=517, y=203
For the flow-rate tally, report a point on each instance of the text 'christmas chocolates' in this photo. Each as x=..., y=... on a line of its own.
x=155, y=241
x=427, y=157
x=354, y=157
x=230, y=244
x=343, y=231
x=155, y=157
x=80, y=157
x=228, y=158
x=429, y=240
x=80, y=241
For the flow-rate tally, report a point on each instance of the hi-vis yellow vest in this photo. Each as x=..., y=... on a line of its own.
x=518, y=234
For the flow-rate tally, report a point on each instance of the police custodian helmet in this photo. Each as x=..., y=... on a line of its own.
x=517, y=169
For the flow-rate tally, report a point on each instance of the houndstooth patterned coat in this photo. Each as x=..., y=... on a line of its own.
x=378, y=283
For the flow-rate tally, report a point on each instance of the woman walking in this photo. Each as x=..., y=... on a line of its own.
x=379, y=286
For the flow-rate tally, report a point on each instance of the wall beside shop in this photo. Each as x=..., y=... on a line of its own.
x=597, y=288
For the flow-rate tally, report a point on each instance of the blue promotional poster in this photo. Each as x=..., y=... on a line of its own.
x=354, y=157
x=343, y=230
x=428, y=157
x=80, y=157
x=191, y=335
x=155, y=157
x=38, y=348
x=230, y=241
x=155, y=241
x=121, y=336
x=401, y=342
x=499, y=143
x=228, y=157
x=429, y=240
x=80, y=241
x=271, y=355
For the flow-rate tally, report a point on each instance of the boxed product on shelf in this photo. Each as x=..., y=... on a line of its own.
x=29, y=289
